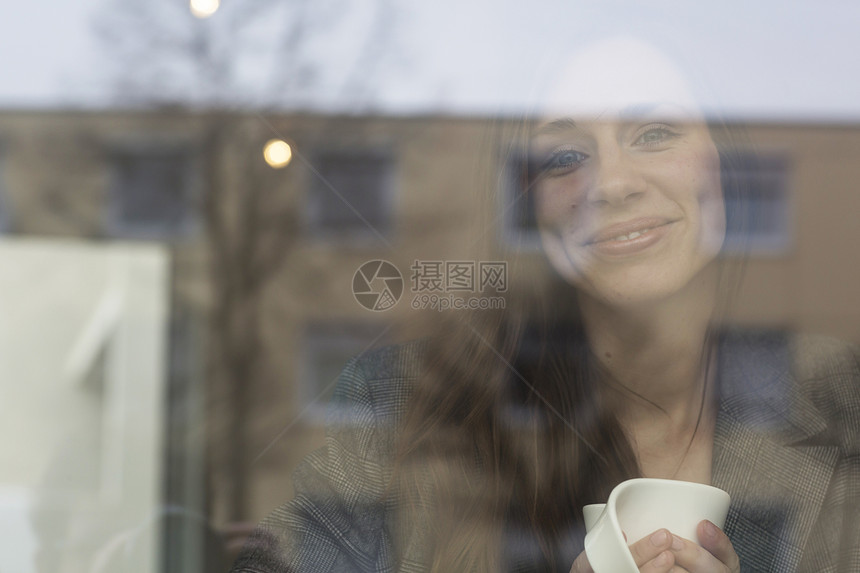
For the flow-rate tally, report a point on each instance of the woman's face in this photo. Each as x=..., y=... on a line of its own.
x=629, y=200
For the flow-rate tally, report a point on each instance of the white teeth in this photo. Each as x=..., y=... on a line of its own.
x=632, y=235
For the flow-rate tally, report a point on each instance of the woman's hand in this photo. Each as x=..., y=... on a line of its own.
x=662, y=552
x=652, y=554
x=716, y=553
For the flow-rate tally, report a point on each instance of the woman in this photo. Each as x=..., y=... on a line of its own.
x=476, y=450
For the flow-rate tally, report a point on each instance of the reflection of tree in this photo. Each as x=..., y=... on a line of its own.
x=163, y=57
x=250, y=229
x=253, y=53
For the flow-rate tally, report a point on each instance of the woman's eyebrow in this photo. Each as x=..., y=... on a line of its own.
x=629, y=114
x=567, y=124
x=562, y=124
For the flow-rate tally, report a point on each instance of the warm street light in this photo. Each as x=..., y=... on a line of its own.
x=204, y=8
x=277, y=153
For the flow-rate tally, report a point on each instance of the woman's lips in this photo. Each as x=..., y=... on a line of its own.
x=629, y=237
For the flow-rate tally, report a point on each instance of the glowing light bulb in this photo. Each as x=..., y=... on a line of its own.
x=204, y=8
x=277, y=153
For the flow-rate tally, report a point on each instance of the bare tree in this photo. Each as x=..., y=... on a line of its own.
x=259, y=54
x=164, y=57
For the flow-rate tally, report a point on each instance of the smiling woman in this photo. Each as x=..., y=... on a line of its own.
x=630, y=201
x=629, y=210
x=475, y=449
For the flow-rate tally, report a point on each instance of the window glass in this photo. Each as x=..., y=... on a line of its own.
x=152, y=193
x=351, y=194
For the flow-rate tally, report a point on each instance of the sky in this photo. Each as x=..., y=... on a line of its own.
x=764, y=59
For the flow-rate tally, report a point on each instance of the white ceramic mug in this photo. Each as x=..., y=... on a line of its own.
x=591, y=513
x=638, y=507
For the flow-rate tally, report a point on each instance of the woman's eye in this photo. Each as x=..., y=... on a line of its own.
x=654, y=136
x=564, y=160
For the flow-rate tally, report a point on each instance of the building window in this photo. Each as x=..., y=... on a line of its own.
x=327, y=348
x=152, y=193
x=761, y=223
x=518, y=211
x=351, y=195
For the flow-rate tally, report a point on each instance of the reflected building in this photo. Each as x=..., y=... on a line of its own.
x=242, y=276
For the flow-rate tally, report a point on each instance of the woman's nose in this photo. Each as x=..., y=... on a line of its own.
x=616, y=181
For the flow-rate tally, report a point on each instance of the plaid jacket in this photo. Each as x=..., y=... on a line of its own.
x=786, y=448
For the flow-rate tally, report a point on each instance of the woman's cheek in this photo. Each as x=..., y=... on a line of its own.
x=553, y=202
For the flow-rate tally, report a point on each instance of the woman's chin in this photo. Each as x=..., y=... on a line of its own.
x=631, y=290
x=631, y=298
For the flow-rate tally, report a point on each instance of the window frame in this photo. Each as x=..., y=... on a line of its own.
x=116, y=224
x=776, y=167
x=318, y=184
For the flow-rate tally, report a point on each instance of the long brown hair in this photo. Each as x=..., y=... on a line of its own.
x=510, y=430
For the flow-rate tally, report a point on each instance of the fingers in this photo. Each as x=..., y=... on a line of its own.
x=717, y=556
x=694, y=558
x=717, y=543
x=652, y=554
x=662, y=552
x=663, y=563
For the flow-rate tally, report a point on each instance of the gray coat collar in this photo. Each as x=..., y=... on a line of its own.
x=765, y=452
